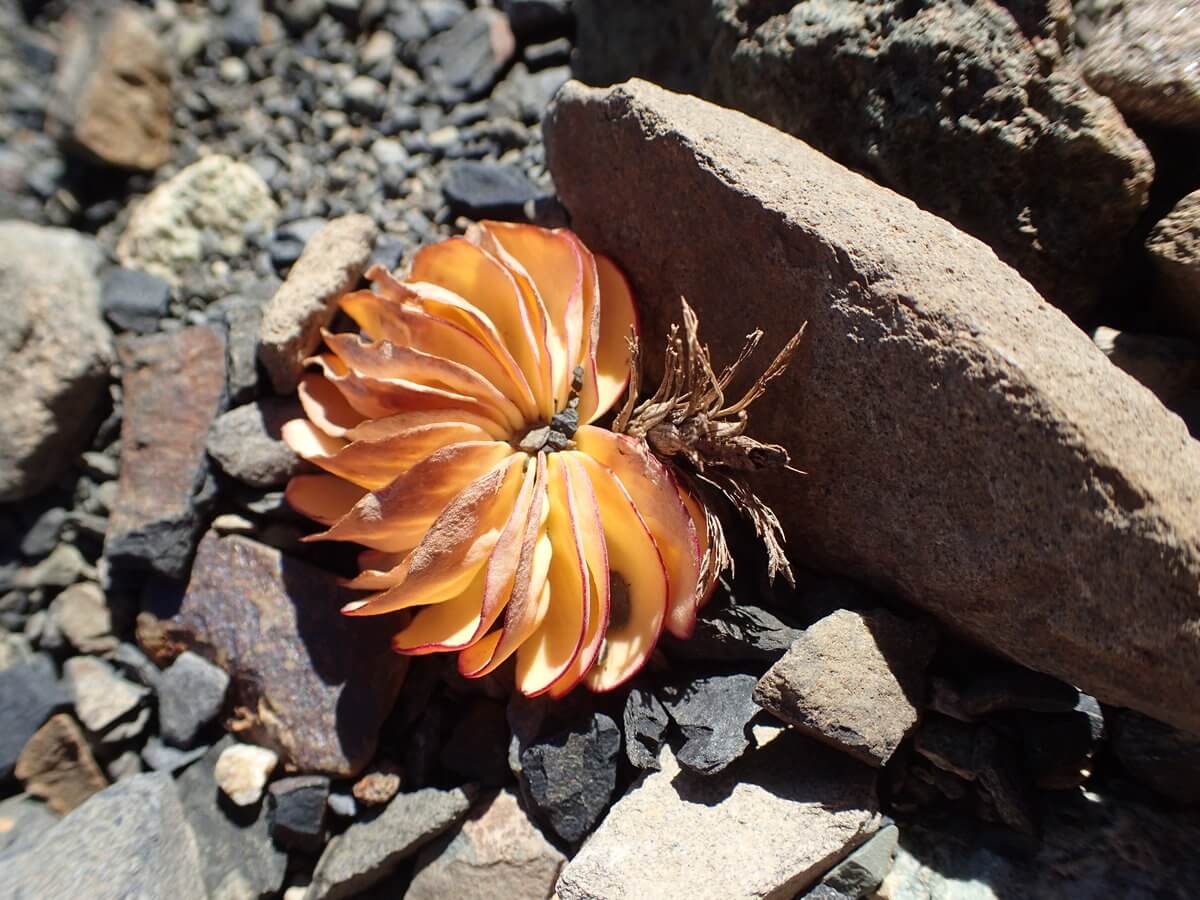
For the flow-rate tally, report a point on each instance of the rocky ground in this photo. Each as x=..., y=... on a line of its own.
x=984, y=683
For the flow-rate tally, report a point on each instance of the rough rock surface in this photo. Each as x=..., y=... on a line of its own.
x=766, y=827
x=190, y=695
x=1145, y=58
x=29, y=695
x=313, y=685
x=113, y=89
x=103, y=699
x=1174, y=248
x=83, y=617
x=297, y=809
x=854, y=681
x=55, y=351
x=331, y=264
x=367, y=852
x=247, y=442
x=497, y=852
x=130, y=840
x=209, y=206
x=174, y=388
x=57, y=765
x=1020, y=487
x=242, y=770
x=714, y=713
x=1168, y=366
x=972, y=108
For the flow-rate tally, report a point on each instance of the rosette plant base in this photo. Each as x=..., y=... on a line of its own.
x=457, y=433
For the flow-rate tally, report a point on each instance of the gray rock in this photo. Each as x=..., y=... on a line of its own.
x=331, y=264
x=488, y=190
x=113, y=88
x=55, y=351
x=290, y=239
x=714, y=714
x=248, y=445
x=863, y=871
x=174, y=388
x=368, y=852
x=29, y=695
x=191, y=693
x=734, y=632
x=43, y=534
x=24, y=821
x=134, y=300
x=238, y=861
x=205, y=210
x=103, y=699
x=241, y=316
x=1159, y=756
x=130, y=840
x=464, y=61
x=81, y=613
x=163, y=758
x=1052, y=430
x=365, y=95
x=767, y=826
x=63, y=567
x=297, y=812
x=854, y=681
x=1174, y=249
x=1144, y=58
x=497, y=852
x=570, y=775
x=126, y=765
x=646, y=723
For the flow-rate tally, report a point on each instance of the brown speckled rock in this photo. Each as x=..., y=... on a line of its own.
x=57, y=765
x=308, y=682
x=331, y=264
x=1174, y=248
x=965, y=444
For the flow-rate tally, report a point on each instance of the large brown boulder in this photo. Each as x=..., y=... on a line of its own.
x=966, y=445
x=973, y=108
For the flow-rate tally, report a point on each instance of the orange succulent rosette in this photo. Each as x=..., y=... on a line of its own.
x=456, y=433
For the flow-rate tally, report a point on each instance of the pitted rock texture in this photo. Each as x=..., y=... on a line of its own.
x=1174, y=249
x=970, y=107
x=966, y=445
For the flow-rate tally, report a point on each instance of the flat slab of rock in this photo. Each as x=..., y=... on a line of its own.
x=55, y=351
x=312, y=684
x=331, y=264
x=113, y=89
x=174, y=388
x=498, y=852
x=130, y=840
x=1018, y=485
x=368, y=852
x=854, y=681
x=768, y=826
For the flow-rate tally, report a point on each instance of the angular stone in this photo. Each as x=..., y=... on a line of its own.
x=379, y=785
x=55, y=351
x=331, y=264
x=57, y=765
x=103, y=699
x=768, y=826
x=1144, y=57
x=969, y=107
x=497, y=852
x=241, y=316
x=238, y=860
x=191, y=693
x=242, y=771
x=646, y=723
x=368, y=852
x=174, y=388
x=1174, y=249
x=488, y=190
x=312, y=684
x=23, y=820
x=113, y=88
x=247, y=442
x=1168, y=366
x=63, y=567
x=734, y=632
x=82, y=615
x=864, y=870
x=714, y=714
x=163, y=758
x=29, y=695
x=130, y=840
x=1079, y=486
x=854, y=681
x=134, y=300
x=297, y=812
x=206, y=209
x=464, y=61
x=1158, y=756
x=570, y=775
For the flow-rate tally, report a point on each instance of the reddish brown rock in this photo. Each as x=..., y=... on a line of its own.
x=174, y=388
x=57, y=765
x=966, y=446
x=308, y=682
x=854, y=681
x=113, y=89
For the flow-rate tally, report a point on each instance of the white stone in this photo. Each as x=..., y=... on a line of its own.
x=242, y=772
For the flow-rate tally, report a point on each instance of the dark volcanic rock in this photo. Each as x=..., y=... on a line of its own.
x=134, y=300
x=488, y=190
x=370, y=851
x=190, y=695
x=714, y=714
x=247, y=442
x=570, y=775
x=1010, y=417
x=646, y=723
x=464, y=62
x=734, y=632
x=477, y=748
x=297, y=812
x=130, y=840
x=241, y=315
x=315, y=685
x=174, y=388
x=29, y=695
